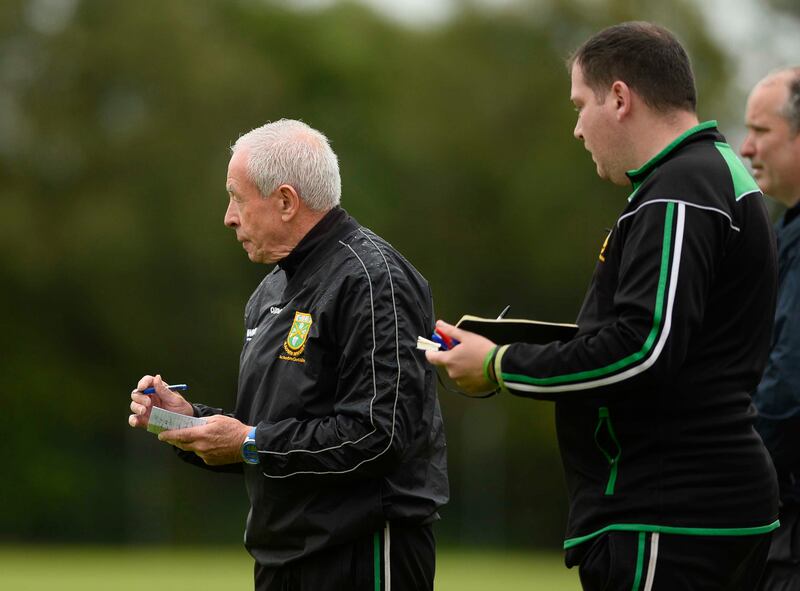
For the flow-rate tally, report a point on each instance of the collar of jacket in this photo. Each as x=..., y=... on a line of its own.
x=787, y=230
x=638, y=176
x=324, y=236
x=791, y=215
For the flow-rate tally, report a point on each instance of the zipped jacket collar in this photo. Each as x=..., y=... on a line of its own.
x=638, y=176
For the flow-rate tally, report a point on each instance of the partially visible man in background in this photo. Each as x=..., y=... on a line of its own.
x=336, y=425
x=773, y=147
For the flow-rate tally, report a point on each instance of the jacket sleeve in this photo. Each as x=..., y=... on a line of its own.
x=666, y=259
x=778, y=394
x=382, y=382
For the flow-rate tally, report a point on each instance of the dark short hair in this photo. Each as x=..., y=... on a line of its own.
x=646, y=57
x=791, y=110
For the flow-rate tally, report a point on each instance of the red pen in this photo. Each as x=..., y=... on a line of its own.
x=446, y=341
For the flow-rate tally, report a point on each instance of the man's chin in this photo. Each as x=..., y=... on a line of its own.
x=261, y=259
x=621, y=179
x=604, y=175
x=763, y=185
x=252, y=255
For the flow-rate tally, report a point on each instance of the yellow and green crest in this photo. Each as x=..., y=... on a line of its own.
x=298, y=333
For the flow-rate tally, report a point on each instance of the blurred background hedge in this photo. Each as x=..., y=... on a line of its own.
x=455, y=143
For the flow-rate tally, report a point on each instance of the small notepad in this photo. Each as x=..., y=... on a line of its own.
x=424, y=344
x=164, y=420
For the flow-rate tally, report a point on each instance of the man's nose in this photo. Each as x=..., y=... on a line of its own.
x=231, y=218
x=747, y=149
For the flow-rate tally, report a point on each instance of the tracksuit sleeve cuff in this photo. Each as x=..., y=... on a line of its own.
x=488, y=365
x=498, y=365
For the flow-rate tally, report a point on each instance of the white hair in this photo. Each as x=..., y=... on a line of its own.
x=289, y=152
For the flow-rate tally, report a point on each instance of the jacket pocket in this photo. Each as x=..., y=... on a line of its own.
x=606, y=441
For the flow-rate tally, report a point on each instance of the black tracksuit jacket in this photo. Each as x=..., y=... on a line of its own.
x=349, y=429
x=653, y=408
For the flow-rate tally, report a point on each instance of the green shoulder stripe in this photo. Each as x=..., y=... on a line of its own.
x=743, y=183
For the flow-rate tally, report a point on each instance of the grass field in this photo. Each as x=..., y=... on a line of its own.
x=35, y=568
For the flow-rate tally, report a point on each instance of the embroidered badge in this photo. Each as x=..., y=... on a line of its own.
x=295, y=342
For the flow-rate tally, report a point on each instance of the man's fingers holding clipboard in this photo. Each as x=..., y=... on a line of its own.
x=464, y=360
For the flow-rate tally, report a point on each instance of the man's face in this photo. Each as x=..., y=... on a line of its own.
x=255, y=219
x=597, y=128
x=770, y=145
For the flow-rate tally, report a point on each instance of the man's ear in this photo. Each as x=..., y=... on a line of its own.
x=289, y=202
x=622, y=96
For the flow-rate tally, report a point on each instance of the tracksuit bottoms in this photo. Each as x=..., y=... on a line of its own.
x=396, y=558
x=648, y=561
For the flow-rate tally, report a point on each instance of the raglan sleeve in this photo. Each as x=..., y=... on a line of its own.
x=381, y=381
x=666, y=253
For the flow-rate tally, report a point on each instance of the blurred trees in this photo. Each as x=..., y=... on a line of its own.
x=788, y=6
x=115, y=119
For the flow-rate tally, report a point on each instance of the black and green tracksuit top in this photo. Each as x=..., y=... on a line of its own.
x=653, y=408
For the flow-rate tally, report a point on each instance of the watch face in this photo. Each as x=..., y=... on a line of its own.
x=250, y=452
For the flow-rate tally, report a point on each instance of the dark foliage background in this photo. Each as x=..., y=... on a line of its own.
x=115, y=120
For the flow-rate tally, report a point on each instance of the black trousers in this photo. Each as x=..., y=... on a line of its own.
x=644, y=561
x=783, y=563
x=397, y=558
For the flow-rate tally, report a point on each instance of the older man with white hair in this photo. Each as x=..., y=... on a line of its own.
x=336, y=425
x=773, y=147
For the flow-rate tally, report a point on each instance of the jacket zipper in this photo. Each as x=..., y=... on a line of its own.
x=604, y=419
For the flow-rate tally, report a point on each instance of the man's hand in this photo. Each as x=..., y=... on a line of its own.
x=464, y=362
x=163, y=397
x=217, y=442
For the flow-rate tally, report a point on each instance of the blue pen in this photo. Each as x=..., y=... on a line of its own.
x=152, y=390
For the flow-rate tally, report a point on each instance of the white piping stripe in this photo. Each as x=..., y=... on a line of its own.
x=375, y=391
x=651, y=566
x=704, y=207
x=753, y=192
x=396, y=332
x=633, y=371
x=387, y=569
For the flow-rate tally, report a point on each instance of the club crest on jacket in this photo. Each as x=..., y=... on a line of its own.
x=295, y=342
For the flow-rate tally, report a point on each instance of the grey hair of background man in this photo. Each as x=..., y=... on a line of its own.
x=791, y=109
x=289, y=152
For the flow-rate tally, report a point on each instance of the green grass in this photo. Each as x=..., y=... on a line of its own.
x=508, y=571
x=44, y=568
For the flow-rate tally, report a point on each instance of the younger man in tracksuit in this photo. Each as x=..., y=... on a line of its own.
x=670, y=487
